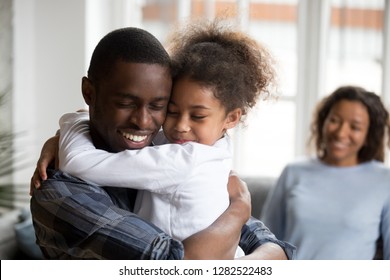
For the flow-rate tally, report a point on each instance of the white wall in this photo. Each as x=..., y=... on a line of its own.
x=49, y=61
x=53, y=43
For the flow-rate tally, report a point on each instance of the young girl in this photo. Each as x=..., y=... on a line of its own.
x=337, y=205
x=218, y=74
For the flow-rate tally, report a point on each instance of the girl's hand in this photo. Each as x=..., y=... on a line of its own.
x=49, y=156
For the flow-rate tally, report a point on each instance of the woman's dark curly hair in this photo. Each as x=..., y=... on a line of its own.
x=379, y=126
x=236, y=67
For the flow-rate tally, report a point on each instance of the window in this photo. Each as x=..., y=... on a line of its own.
x=318, y=46
x=355, y=44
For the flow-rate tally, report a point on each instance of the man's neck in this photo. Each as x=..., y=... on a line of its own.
x=98, y=141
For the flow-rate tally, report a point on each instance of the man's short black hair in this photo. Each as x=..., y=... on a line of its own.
x=130, y=44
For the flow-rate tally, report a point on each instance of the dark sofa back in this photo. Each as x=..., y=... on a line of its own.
x=259, y=188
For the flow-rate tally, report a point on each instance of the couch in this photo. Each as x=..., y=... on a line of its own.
x=259, y=188
x=17, y=239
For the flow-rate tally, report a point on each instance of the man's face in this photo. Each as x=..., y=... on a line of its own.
x=128, y=107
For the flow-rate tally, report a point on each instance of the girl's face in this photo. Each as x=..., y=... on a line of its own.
x=344, y=132
x=194, y=114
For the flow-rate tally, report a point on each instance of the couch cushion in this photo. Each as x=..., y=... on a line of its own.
x=259, y=188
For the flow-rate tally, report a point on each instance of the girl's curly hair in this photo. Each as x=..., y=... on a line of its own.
x=235, y=66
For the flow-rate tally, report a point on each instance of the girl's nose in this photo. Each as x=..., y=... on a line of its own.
x=182, y=125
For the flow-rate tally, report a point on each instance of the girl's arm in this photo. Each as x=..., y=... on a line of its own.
x=158, y=168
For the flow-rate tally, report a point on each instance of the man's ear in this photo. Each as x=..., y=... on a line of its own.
x=88, y=91
x=233, y=118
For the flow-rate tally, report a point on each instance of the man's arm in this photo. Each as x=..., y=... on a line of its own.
x=267, y=251
x=219, y=241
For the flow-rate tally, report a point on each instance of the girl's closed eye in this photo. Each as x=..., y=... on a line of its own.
x=198, y=117
x=172, y=112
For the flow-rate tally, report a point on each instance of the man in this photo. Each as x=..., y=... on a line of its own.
x=127, y=91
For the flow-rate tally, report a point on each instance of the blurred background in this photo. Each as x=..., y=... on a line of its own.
x=45, y=48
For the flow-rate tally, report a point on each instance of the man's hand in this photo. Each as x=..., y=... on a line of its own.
x=240, y=195
x=49, y=155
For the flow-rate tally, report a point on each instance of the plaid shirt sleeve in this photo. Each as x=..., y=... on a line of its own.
x=76, y=220
x=255, y=233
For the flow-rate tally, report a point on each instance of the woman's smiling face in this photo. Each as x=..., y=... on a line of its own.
x=344, y=132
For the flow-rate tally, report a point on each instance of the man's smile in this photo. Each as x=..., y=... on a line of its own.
x=133, y=137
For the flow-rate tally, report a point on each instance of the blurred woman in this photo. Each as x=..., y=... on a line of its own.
x=337, y=205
